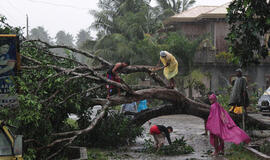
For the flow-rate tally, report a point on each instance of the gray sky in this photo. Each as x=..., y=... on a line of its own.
x=56, y=15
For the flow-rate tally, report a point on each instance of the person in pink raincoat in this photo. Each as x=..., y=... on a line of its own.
x=222, y=127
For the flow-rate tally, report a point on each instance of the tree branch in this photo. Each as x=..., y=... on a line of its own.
x=75, y=134
x=61, y=148
x=91, y=125
x=146, y=69
x=65, y=82
x=84, y=92
x=89, y=55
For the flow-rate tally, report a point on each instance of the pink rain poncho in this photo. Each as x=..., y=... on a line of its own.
x=220, y=123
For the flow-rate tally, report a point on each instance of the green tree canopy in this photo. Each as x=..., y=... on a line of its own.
x=40, y=33
x=122, y=26
x=172, y=7
x=249, y=22
x=63, y=38
x=82, y=37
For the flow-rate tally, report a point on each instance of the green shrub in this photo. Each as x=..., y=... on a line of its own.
x=224, y=97
x=115, y=130
x=178, y=147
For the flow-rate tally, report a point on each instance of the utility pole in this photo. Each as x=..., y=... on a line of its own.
x=27, y=27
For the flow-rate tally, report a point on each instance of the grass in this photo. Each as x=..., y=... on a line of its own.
x=237, y=152
x=105, y=154
x=94, y=153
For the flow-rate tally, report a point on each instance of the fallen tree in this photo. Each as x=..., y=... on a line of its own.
x=52, y=86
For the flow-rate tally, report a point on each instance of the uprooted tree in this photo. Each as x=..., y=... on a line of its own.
x=52, y=87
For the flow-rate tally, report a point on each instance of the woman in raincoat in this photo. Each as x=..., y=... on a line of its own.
x=222, y=127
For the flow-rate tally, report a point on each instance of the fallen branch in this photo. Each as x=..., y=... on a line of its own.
x=75, y=134
x=89, y=55
x=91, y=126
x=84, y=92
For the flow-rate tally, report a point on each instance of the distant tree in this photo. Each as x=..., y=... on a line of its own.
x=131, y=17
x=40, y=33
x=249, y=22
x=63, y=38
x=82, y=37
x=171, y=7
x=121, y=26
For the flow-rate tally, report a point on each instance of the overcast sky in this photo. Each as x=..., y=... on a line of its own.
x=56, y=15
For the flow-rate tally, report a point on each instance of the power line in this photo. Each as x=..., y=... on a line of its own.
x=8, y=16
x=16, y=8
x=58, y=4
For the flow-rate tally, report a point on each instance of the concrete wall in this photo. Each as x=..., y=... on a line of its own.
x=222, y=74
x=216, y=29
x=192, y=29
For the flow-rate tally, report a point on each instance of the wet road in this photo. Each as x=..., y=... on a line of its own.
x=190, y=127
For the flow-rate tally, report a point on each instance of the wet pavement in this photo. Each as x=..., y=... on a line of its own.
x=188, y=126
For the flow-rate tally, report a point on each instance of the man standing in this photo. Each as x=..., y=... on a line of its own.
x=170, y=67
x=112, y=74
x=239, y=98
x=159, y=132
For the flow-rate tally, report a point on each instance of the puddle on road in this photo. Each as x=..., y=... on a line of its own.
x=188, y=126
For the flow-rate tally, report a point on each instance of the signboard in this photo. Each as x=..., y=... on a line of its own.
x=9, y=64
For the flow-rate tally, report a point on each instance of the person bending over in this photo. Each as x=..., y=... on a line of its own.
x=159, y=132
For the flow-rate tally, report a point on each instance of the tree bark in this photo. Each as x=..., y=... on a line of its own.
x=191, y=108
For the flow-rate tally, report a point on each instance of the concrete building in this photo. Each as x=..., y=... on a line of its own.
x=210, y=20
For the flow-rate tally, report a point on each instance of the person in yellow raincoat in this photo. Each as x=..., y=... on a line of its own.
x=170, y=67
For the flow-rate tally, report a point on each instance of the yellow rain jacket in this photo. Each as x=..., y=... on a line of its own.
x=237, y=109
x=172, y=69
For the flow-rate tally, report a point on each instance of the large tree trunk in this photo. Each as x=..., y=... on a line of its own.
x=179, y=105
x=191, y=108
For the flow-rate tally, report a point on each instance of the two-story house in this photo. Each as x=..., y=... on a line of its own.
x=210, y=20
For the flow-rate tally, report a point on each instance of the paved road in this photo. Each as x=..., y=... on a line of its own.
x=190, y=127
x=264, y=117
